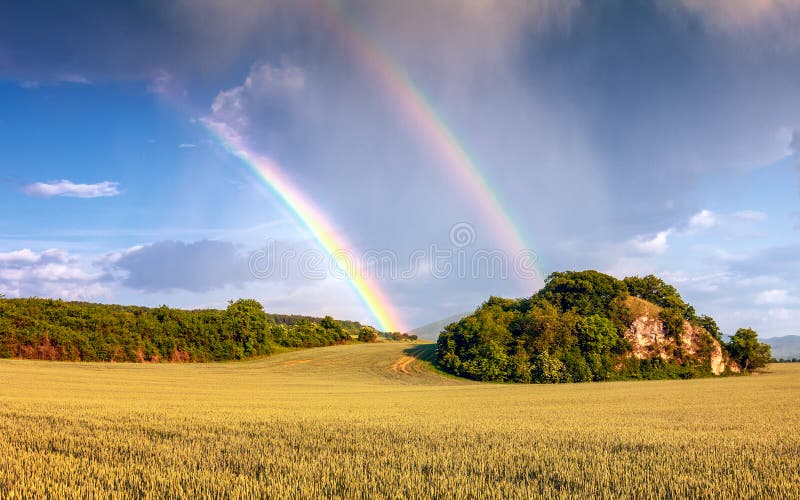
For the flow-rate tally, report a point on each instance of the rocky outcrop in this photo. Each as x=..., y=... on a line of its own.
x=649, y=339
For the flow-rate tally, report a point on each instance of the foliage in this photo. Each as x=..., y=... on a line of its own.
x=710, y=326
x=746, y=350
x=585, y=292
x=572, y=330
x=397, y=336
x=367, y=334
x=54, y=329
x=664, y=295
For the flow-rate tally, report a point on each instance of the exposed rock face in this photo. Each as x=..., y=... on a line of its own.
x=649, y=339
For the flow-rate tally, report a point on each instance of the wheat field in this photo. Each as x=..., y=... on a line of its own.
x=377, y=421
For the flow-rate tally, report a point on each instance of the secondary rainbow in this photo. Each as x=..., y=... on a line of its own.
x=430, y=124
x=337, y=247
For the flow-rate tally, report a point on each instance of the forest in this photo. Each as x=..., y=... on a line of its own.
x=572, y=330
x=35, y=328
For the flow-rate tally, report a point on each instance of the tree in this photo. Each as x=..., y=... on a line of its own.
x=367, y=334
x=746, y=350
x=597, y=334
x=333, y=329
x=585, y=292
x=248, y=326
x=710, y=325
x=660, y=293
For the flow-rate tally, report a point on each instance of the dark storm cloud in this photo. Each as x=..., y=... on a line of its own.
x=667, y=99
x=140, y=39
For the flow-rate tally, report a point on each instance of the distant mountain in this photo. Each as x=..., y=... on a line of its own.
x=787, y=347
x=431, y=330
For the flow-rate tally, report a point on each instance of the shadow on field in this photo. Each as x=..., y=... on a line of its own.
x=423, y=352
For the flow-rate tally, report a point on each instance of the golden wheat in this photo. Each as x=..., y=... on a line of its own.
x=365, y=421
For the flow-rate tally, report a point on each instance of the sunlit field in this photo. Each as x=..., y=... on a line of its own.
x=375, y=420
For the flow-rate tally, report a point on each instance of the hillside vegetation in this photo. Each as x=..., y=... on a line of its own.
x=589, y=326
x=375, y=421
x=79, y=331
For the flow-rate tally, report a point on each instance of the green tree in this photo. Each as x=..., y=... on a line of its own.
x=585, y=292
x=660, y=293
x=248, y=326
x=710, y=325
x=746, y=350
x=597, y=334
x=367, y=334
x=548, y=369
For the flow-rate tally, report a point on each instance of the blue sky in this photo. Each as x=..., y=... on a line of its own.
x=631, y=137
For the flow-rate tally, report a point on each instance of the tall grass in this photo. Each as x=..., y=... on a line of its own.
x=344, y=422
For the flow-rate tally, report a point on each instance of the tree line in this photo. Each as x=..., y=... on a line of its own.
x=54, y=329
x=572, y=330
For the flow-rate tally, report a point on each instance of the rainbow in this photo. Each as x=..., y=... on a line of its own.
x=270, y=173
x=431, y=125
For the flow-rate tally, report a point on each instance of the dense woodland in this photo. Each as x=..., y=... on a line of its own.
x=53, y=329
x=572, y=331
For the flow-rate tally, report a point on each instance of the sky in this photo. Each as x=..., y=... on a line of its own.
x=400, y=162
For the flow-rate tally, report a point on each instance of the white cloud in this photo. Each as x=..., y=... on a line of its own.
x=72, y=190
x=24, y=255
x=186, y=145
x=733, y=222
x=651, y=245
x=28, y=256
x=702, y=220
x=264, y=82
x=50, y=273
x=774, y=297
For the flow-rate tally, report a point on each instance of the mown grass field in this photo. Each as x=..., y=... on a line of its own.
x=370, y=420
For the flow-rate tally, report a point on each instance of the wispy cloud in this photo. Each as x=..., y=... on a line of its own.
x=72, y=190
x=74, y=78
x=186, y=145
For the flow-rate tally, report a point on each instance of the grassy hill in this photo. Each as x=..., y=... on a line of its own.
x=377, y=420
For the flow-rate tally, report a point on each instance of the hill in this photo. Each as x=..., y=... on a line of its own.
x=432, y=330
x=785, y=348
x=81, y=331
x=589, y=326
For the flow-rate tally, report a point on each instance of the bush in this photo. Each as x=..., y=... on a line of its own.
x=367, y=334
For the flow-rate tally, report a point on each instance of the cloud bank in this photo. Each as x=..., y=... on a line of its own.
x=50, y=273
x=174, y=265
